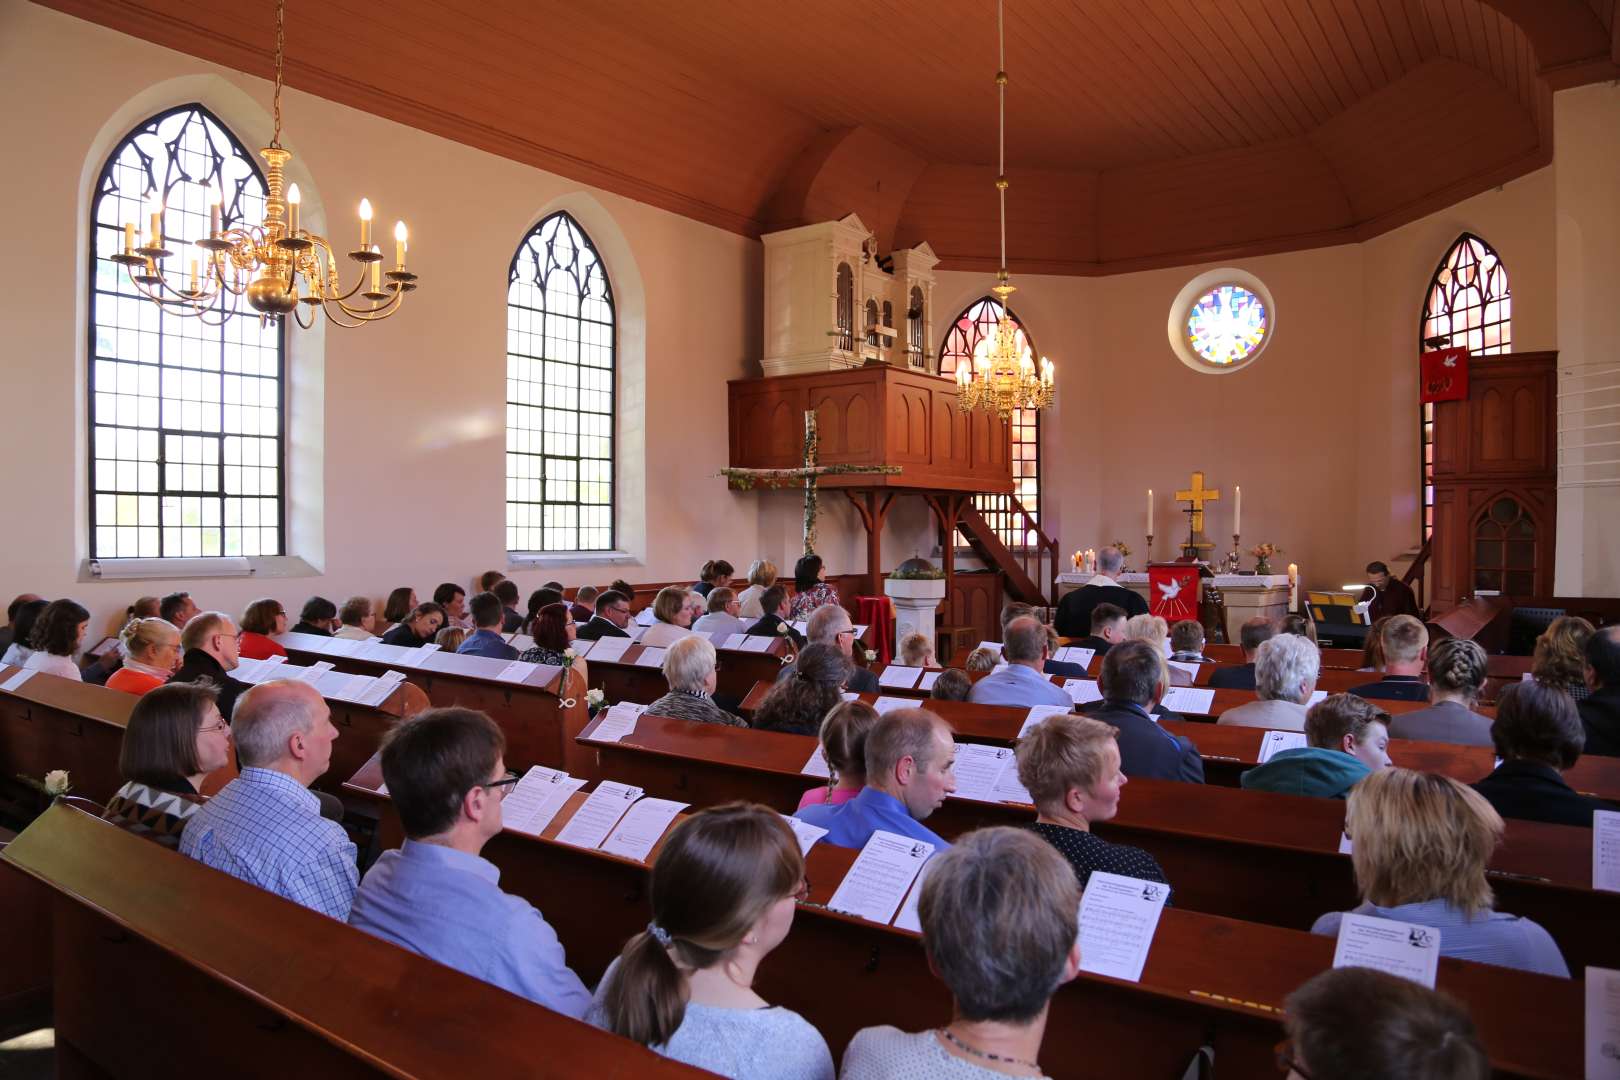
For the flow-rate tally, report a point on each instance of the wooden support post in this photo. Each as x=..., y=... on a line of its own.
x=873, y=510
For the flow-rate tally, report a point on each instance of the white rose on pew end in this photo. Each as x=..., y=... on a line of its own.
x=57, y=783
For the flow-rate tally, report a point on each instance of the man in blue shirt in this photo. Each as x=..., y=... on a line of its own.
x=436, y=896
x=265, y=827
x=1022, y=682
x=486, y=639
x=910, y=768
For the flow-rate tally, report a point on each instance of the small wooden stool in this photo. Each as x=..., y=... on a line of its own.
x=953, y=643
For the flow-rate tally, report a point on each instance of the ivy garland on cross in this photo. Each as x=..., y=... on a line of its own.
x=749, y=479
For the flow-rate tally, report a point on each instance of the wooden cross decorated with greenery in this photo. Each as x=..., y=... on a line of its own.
x=748, y=479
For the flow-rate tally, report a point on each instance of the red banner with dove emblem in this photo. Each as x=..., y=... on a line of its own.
x=1173, y=591
x=1443, y=376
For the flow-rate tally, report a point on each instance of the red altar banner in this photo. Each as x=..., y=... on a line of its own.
x=1443, y=376
x=1173, y=591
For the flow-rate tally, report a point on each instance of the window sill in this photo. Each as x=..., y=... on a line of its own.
x=529, y=560
x=186, y=569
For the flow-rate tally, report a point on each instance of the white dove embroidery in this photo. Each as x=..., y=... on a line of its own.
x=1169, y=590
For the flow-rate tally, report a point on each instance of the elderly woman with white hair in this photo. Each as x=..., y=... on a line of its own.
x=1156, y=632
x=1285, y=671
x=690, y=669
x=999, y=919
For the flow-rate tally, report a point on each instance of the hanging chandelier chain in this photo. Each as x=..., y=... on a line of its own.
x=1001, y=127
x=281, y=48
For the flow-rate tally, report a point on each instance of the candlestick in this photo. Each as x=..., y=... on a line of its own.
x=399, y=245
x=193, y=275
x=214, y=212
x=376, y=270
x=365, y=224
x=1150, y=512
x=129, y=237
x=1147, y=552
x=154, y=228
x=1237, y=512
x=293, y=199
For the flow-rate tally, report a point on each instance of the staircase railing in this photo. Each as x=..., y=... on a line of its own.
x=1417, y=575
x=1027, y=545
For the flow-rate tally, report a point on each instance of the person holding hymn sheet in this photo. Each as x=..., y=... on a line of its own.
x=583, y=606
x=453, y=598
x=910, y=768
x=210, y=642
x=175, y=738
x=57, y=635
x=8, y=632
x=611, y=618
x=265, y=826
x=774, y=623
x=917, y=651
x=358, y=618
x=1285, y=672
x=1560, y=655
x=512, y=621
x=1538, y=737
x=724, y=891
x=1133, y=682
x=831, y=625
x=1388, y=595
x=1022, y=682
x=724, y=615
x=1457, y=671
x=178, y=608
x=152, y=653
x=999, y=914
x=761, y=576
x=672, y=617
x=843, y=745
x=1187, y=642
x=716, y=574
x=1346, y=737
x=799, y=703
x=1070, y=766
x=541, y=597
x=1074, y=610
x=1250, y=636
x=22, y=625
x=953, y=684
x=810, y=588
x=1107, y=629
x=553, y=637
x=436, y=896
x=1600, y=712
x=1405, y=642
x=260, y=622
x=1352, y=1023
x=1156, y=632
x=486, y=638
x=401, y=602
x=419, y=627
x=1419, y=845
x=689, y=668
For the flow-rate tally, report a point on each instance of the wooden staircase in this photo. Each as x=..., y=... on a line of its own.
x=1030, y=570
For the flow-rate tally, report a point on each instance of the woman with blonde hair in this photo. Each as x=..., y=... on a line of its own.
x=843, y=746
x=761, y=576
x=1419, y=845
x=672, y=617
x=151, y=655
x=724, y=891
x=1560, y=656
x=450, y=638
x=1156, y=632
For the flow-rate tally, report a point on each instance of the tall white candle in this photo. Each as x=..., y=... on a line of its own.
x=1237, y=513
x=1150, y=512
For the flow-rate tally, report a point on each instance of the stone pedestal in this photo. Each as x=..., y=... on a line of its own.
x=915, y=602
x=1247, y=595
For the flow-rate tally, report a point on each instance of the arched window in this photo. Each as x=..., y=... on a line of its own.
x=186, y=417
x=846, y=308
x=975, y=324
x=1468, y=305
x=559, y=393
x=914, y=328
x=872, y=323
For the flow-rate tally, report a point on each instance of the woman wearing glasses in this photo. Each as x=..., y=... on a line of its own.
x=151, y=655
x=262, y=620
x=723, y=894
x=175, y=738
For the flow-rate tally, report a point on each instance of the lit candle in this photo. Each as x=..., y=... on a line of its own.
x=365, y=224
x=293, y=199
x=376, y=270
x=129, y=237
x=193, y=274
x=1150, y=512
x=399, y=245
x=1293, y=587
x=214, y=212
x=154, y=230
x=1237, y=513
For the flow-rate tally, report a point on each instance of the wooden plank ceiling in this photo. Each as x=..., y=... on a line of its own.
x=1141, y=132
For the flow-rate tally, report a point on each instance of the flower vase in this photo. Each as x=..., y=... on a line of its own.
x=1262, y=567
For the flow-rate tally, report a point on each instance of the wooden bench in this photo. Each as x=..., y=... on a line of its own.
x=1245, y=854
x=1208, y=979
x=162, y=963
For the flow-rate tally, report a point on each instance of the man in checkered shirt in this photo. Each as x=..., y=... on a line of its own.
x=265, y=827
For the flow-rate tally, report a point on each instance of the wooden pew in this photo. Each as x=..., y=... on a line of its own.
x=539, y=724
x=1245, y=854
x=1207, y=979
x=625, y=680
x=162, y=963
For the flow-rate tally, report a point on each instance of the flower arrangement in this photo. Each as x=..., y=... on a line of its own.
x=916, y=573
x=1262, y=556
x=55, y=784
x=595, y=698
x=1122, y=548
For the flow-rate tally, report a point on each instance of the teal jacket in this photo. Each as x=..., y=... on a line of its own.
x=1309, y=770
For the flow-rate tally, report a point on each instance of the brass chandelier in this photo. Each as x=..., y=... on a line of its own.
x=1003, y=376
x=276, y=265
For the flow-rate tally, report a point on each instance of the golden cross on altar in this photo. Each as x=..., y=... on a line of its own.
x=1197, y=495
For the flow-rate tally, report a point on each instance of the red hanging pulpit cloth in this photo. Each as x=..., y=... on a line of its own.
x=1173, y=591
x=878, y=613
x=1444, y=376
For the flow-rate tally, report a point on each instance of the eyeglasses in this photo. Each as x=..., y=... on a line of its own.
x=1287, y=1062
x=802, y=893
x=504, y=785
x=212, y=728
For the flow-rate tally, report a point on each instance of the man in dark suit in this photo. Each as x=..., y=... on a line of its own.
x=831, y=625
x=1074, y=610
x=1389, y=595
x=1133, y=682
x=211, y=641
x=1406, y=649
x=1539, y=735
x=511, y=621
x=1255, y=632
x=774, y=602
x=611, y=618
x=1107, y=629
x=1600, y=713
